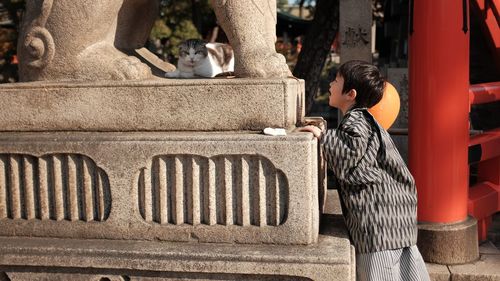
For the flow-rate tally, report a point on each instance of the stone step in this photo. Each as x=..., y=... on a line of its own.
x=487, y=267
x=332, y=258
x=152, y=105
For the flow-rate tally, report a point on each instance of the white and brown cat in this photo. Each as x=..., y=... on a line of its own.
x=198, y=58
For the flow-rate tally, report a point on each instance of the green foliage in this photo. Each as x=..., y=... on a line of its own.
x=282, y=3
x=160, y=30
x=178, y=21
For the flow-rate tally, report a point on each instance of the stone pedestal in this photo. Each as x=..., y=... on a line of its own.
x=157, y=180
x=449, y=243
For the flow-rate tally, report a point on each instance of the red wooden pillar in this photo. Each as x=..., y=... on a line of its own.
x=438, y=118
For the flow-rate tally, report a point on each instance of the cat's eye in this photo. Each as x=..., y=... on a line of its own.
x=198, y=52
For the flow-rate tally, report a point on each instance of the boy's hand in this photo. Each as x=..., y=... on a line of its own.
x=310, y=128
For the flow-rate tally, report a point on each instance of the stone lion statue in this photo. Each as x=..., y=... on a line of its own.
x=96, y=40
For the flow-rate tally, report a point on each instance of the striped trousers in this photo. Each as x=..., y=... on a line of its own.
x=405, y=264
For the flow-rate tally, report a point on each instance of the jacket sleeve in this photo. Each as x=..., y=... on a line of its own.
x=345, y=147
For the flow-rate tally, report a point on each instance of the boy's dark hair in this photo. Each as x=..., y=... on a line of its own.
x=366, y=79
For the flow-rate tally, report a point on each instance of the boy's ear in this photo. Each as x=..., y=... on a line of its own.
x=351, y=95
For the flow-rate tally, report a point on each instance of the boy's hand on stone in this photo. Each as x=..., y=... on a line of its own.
x=310, y=128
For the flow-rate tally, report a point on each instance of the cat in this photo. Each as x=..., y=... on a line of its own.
x=198, y=58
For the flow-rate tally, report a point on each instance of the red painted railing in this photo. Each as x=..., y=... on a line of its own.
x=484, y=93
x=484, y=149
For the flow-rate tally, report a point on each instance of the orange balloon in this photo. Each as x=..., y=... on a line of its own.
x=387, y=109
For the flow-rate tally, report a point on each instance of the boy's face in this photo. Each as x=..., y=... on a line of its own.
x=336, y=87
x=339, y=100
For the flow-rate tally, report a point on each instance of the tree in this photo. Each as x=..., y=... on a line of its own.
x=316, y=47
x=282, y=3
x=181, y=20
x=10, y=13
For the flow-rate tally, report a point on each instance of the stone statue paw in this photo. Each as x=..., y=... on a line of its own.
x=130, y=68
x=271, y=65
x=103, y=61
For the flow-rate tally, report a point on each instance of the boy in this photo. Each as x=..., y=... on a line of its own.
x=377, y=191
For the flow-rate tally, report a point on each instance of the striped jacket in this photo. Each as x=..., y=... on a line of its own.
x=376, y=189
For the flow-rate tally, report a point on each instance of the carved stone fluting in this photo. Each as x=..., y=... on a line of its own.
x=84, y=40
x=226, y=189
x=53, y=187
x=251, y=30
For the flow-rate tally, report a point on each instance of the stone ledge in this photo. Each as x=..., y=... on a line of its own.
x=332, y=258
x=152, y=105
x=487, y=267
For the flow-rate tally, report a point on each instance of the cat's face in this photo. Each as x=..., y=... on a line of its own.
x=192, y=51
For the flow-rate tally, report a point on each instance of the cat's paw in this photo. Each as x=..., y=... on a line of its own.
x=186, y=75
x=172, y=74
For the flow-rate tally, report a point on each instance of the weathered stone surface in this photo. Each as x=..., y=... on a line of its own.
x=488, y=248
x=51, y=276
x=153, y=105
x=330, y=259
x=226, y=189
x=438, y=272
x=355, y=26
x=251, y=29
x=80, y=40
x=485, y=269
x=448, y=243
x=207, y=187
x=53, y=187
x=91, y=40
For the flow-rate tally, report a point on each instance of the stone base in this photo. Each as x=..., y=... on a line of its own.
x=332, y=258
x=152, y=105
x=206, y=187
x=449, y=243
